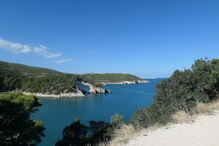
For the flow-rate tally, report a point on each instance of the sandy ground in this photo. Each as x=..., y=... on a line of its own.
x=204, y=131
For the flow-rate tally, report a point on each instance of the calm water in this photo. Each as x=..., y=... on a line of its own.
x=124, y=100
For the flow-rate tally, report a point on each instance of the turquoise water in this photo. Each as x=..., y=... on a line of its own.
x=124, y=100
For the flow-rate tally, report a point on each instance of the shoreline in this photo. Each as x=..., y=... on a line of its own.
x=125, y=82
x=79, y=93
x=62, y=95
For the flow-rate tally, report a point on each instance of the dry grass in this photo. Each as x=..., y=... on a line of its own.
x=214, y=105
x=207, y=108
x=102, y=144
x=182, y=117
x=122, y=135
x=202, y=108
x=127, y=132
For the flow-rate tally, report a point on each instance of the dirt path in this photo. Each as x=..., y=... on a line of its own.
x=204, y=131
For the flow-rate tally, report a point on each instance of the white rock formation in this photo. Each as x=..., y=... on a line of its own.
x=126, y=82
x=61, y=95
x=96, y=90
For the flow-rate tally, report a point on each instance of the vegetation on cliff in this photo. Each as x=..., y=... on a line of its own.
x=109, y=77
x=33, y=79
x=16, y=127
x=97, y=131
x=181, y=92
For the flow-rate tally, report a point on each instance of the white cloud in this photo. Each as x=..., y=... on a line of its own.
x=64, y=60
x=43, y=50
x=22, y=48
x=14, y=47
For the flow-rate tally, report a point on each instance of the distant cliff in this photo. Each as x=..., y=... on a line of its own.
x=50, y=83
x=112, y=78
x=96, y=90
x=127, y=82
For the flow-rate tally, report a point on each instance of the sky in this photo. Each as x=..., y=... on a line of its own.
x=148, y=38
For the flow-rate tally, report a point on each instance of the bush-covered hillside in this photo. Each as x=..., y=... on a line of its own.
x=25, y=70
x=33, y=79
x=109, y=77
x=182, y=91
x=16, y=127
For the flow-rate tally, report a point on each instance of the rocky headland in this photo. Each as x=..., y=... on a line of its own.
x=79, y=93
x=96, y=90
x=126, y=82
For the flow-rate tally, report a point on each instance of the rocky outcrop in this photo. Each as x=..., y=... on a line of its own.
x=142, y=82
x=96, y=90
x=79, y=93
x=127, y=82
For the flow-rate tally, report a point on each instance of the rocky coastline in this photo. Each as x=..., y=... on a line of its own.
x=79, y=93
x=96, y=90
x=93, y=90
x=126, y=82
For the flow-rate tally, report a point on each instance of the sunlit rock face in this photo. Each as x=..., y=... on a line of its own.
x=96, y=90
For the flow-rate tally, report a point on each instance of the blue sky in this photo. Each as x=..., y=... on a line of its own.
x=148, y=38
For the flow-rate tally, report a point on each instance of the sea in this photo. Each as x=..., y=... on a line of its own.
x=57, y=113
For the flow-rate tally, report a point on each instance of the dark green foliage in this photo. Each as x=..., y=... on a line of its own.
x=116, y=121
x=109, y=77
x=182, y=91
x=42, y=80
x=52, y=84
x=74, y=135
x=206, y=74
x=25, y=70
x=33, y=79
x=98, y=132
x=78, y=134
x=16, y=128
x=1, y=83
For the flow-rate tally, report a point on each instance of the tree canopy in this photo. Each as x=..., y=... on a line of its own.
x=16, y=127
x=34, y=79
x=78, y=134
x=182, y=91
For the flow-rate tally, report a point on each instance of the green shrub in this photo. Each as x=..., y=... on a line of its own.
x=16, y=127
x=182, y=91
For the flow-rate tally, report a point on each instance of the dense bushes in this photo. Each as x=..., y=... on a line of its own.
x=109, y=77
x=78, y=134
x=33, y=79
x=51, y=84
x=182, y=91
x=16, y=128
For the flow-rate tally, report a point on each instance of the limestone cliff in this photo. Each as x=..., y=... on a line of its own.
x=126, y=82
x=96, y=90
x=78, y=93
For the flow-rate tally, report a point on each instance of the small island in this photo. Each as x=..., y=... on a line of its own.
x=43, y=82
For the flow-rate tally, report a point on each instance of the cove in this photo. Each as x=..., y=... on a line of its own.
x=124, y=100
